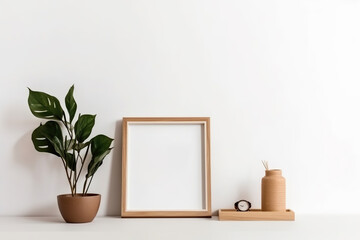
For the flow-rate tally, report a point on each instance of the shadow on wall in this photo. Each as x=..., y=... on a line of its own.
x=114, y=197
x=38, y=166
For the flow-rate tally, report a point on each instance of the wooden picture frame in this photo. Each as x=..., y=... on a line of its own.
x=166, y=167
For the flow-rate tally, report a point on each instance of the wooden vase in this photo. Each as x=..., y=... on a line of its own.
x=273, y=191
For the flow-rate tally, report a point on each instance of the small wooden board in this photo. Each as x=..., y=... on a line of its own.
x=256, y=215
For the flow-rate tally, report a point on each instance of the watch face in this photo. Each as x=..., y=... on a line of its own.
x=243, y=205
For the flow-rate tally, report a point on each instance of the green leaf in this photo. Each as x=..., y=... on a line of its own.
x=96, y=162
x=80, y=146
x=83, y=127
x=41, y=143
x=93, y=168
x=45, y=106
x=100, y=144
x=70, y=161
x=99, y=150
x=52, y=131
x=48, y=138
x=69, y=144
x=70, y=103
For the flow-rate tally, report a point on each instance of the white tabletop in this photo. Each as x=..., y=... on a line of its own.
x=304, y=227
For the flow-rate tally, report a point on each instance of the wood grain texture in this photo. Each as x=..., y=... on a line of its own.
x=256, y=215
x=208, y=166
x=273, y=191
x=123, y=165
x=166, y=119
x=173, y=120
x=165, y=214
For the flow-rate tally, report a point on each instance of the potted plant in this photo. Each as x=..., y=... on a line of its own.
x=66, y=138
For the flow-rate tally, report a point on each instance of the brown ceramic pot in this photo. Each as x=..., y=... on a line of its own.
x=273, y=191
x=79, y=208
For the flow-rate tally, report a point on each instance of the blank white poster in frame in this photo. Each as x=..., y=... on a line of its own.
x=166, y=167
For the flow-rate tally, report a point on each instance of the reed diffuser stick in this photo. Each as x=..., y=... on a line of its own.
x=266, y=165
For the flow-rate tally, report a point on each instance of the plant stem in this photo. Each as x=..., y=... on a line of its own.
x=85, y=186
x=87, y=189
x=68, y=177
x=65, y=122
x=82, y=163
x=74, y=177
x=66, y=149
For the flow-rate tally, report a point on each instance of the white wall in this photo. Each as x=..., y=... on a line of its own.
x=279, y=79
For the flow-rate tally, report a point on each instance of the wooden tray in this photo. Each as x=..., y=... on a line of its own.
x=256, y=215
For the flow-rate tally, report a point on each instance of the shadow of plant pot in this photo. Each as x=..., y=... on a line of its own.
x=79, y=208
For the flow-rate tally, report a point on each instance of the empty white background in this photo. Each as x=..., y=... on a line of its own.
x=279, y=79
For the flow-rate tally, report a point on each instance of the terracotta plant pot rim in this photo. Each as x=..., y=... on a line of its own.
x=78, y=195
